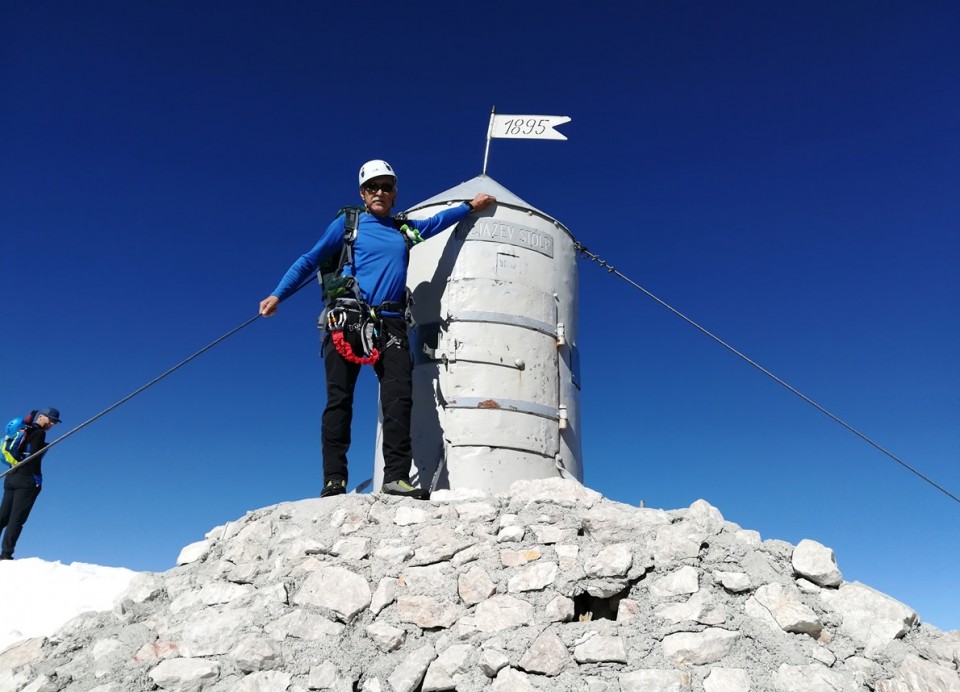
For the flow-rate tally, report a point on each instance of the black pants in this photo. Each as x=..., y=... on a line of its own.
x=394, y=370
x=18, y=499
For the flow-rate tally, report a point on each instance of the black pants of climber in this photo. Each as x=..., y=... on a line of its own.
x=18, y=499
x=394, y=370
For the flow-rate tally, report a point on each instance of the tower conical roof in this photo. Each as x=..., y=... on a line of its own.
x=468, y=190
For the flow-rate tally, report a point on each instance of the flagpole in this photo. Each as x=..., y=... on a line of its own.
x=486, y=152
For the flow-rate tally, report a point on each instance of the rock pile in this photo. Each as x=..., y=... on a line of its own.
x=548, y=587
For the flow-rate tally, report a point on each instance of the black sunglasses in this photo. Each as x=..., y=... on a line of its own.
x=373, y=187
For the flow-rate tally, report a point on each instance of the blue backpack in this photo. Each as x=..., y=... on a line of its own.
x=15, y=438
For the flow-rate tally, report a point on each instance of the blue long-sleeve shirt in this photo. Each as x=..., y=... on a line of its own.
x=379, y=254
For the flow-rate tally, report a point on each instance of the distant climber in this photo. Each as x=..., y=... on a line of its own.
x=21, y=486
x=364, y=314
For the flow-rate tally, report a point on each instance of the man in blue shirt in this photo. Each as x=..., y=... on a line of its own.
x=379, y=266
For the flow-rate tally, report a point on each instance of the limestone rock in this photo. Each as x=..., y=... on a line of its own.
x=549, y=588
x=655, y=681
x=475, y=585
x=449, y=667
x=727, y=680
x=918, y=675
x=546, y=656
x=502, y=612
x=407, y=676
x=601, y=648
x=869, y=617
x=788, y=610
x=817, y=563
x=342, y=591
x=698, y=648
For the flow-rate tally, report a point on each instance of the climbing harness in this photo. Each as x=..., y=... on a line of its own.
x=579, y=247
x=347, y=318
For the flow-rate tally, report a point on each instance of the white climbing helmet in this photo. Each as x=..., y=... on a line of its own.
x=372, y=169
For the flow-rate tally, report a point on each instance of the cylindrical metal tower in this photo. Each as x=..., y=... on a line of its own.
x=496, y=369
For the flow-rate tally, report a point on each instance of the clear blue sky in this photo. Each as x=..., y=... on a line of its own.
x=786, y=176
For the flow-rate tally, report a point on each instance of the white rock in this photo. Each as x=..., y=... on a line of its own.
x=254, y=653
x=510, y=680
x=627, y=610
x=475, y=585
x=655, y=681
x=789, y=611
x=812, y=677
x=209, y=633
x=510, y=534
x=351, y=548
x=705, y=517
x=612, y=561
x=426, y=612
x=502, y=612
x=698, y=648
x=727, y=680
x=186, y=674
x=407, y=676
x=474, y=512
x=193, y=552
x=558, y=491
x=265, y=681
x=817, y=563
x=692, y=609
x=567, y=555
x=384, y=595
x=492, y=661
x=437, y=543
x=548, y=534
x=685, y=580
x=560, y=609
x=303, y=624
x=611, y=523
x=405, y=516
x=449, y=667
x=735, y=582
x=591, y=684
x=336, y=588
x=394, y=554
x=601, y=648
x=445, y=495
x=917, y=675
x=323, y=677
x=869, y=617
x=512, y=558
x=533, y=578
x=433, y=580
x=386, y=637
x=546, y=656
x=676, y=542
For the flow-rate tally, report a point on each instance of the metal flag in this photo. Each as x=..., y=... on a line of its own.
x=527, y=126
x=521, y=127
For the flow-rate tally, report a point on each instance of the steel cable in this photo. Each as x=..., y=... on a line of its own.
x=146, y=386
x=611, y=269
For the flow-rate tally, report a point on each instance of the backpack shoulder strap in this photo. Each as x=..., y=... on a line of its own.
x=329, y=272
x=410, y=234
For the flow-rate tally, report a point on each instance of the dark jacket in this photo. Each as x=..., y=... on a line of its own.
x=28, y=474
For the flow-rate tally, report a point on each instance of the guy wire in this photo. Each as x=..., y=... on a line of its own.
x=147, y=385
x=612, y=270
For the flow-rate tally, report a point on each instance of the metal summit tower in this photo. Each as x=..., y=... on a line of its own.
x=496, y=381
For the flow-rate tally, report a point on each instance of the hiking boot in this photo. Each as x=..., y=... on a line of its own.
x=402, y=489
x=6, y=557
x=332, y=488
